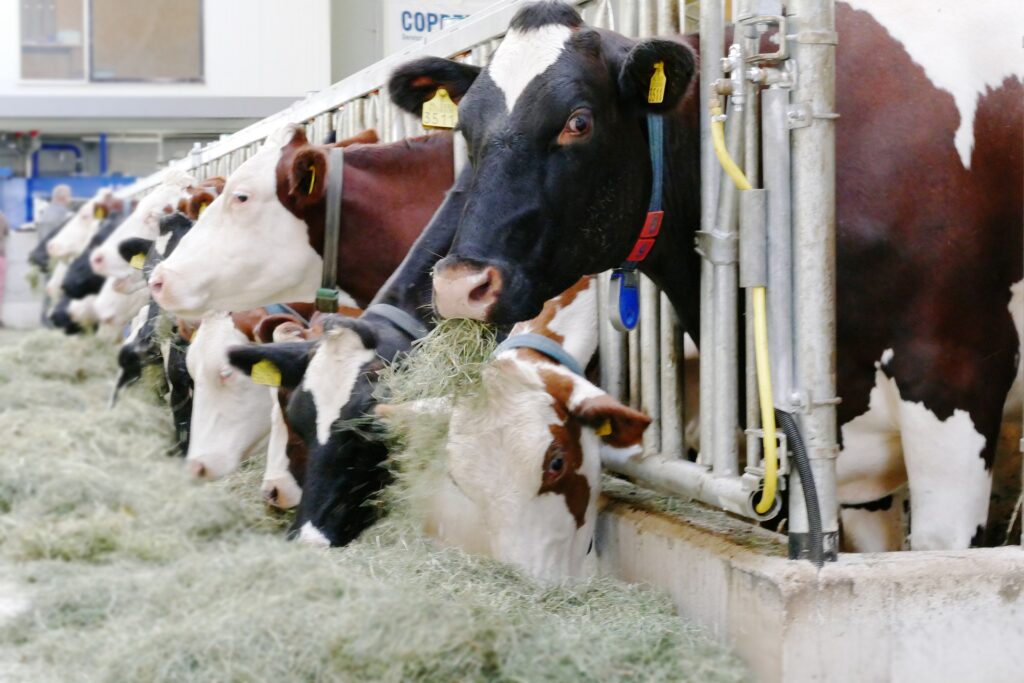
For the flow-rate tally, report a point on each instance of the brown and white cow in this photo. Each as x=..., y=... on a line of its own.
x=929, y=179
x=524, y=454
x=262, y=240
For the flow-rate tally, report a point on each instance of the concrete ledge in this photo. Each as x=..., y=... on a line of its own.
x=913, y=616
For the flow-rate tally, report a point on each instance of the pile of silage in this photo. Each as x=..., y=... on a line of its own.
x=131, y=572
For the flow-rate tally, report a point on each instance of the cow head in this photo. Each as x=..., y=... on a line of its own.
x=526, y=455
x=115, y=309
x=556, y=128
x=75, y=234
x=144, y=222
x=252, y=246
x=286, y=451
x=230, y=414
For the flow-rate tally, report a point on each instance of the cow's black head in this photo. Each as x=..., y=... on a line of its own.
x=556, y=127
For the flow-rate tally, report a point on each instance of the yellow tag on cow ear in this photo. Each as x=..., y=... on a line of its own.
x=202, y=207
x=604, y=429
x=656, y=95
x=138, y=261
x=266, y=373
x=99, y=213
x=312, y=179
x=440, y=111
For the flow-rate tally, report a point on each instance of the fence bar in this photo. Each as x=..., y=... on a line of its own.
x=814, y=262
x=612, y=348
x=650, y=373
x=673, y=399
x=712, y=37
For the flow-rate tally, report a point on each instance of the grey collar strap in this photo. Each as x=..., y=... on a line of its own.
x=541, y=344
x=400, y=319
x=327, y=295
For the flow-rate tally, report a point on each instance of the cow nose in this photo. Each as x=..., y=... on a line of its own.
x=156, y=283
x=196, y=469
x=466, y=291
x=271, y=496
x=96, y=261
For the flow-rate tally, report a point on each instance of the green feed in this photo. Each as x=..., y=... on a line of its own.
x=114, y=566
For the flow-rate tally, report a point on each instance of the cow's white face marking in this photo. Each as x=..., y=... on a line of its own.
x=143, y=222
x=523, y=55
x=161, y=244
x=963, y=48
x=115, y=308
x=276, y=475
x=76, y=233
x=896, y=441
x=332, y=374
x=246, y=250
x=53, y=284
x=230, y=414
x=83, y=311
x=311, y=535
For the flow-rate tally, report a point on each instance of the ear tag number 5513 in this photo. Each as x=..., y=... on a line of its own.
x=440, y=111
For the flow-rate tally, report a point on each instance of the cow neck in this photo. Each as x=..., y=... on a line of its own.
x=673, y=265
x=390, y=193
x=410, y=288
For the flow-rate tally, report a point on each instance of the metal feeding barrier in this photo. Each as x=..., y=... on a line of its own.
x=780, y=234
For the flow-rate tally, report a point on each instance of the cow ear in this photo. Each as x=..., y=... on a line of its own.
x=197, y=203
x=289, y=358
x=308, y=176
x=618, y=425
x=130, y=248
x=639, y=67
x=265, y=328
x=416, y=82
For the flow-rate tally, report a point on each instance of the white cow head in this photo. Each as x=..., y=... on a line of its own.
x=143, y=222
x=74, y=235
x=248, y=249
x=230, y=414
x=114, y=309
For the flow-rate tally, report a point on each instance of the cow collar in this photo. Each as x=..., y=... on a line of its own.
x=541, y=344
x=399, y=318
x=327, y=295
x=623, y=296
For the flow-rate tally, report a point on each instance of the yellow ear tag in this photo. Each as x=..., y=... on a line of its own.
x=138, y=261
x=604, y=429
x=440, y=111
x=656, y=95
x=202, y=207
x=99, y=213
x=266, y=373
x=312, y=179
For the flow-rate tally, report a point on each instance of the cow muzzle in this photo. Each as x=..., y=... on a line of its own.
x=464, y=290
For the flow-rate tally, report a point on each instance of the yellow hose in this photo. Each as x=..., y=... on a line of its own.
x=761, y=358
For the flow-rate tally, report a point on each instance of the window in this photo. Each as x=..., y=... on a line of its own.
x=52, y=39
x=156, y=40
x=112, y=40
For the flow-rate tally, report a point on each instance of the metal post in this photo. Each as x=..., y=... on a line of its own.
x=814, y=259
x=650, y=371
x=712, y=37
x=673, y=399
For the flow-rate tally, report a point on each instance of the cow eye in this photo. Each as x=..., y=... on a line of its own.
x=241, y=197
x=577, y=126
x=557, y=464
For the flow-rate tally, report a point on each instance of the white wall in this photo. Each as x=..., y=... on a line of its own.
x=252, y=48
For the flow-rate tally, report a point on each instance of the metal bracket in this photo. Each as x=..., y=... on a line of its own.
x=719, y=249
x=815, y=37
x=802, y=400
x=755, y=435
x=798, y=116
x=762, y=22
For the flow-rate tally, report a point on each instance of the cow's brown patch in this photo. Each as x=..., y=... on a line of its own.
x=567, y=480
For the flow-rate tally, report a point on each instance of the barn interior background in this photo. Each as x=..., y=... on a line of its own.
x=97, y=93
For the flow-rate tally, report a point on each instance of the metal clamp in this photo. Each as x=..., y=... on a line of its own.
x=766, y=20
x=755, y=435
x=802, y=400
x=717, y=248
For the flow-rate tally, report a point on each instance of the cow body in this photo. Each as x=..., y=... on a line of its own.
x=929, y=177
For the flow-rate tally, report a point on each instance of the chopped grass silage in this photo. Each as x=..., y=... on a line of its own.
x=131, y=572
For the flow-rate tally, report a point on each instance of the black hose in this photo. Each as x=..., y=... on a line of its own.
x=803, y=467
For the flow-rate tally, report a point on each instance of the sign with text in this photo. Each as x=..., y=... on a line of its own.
x=409, y=22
